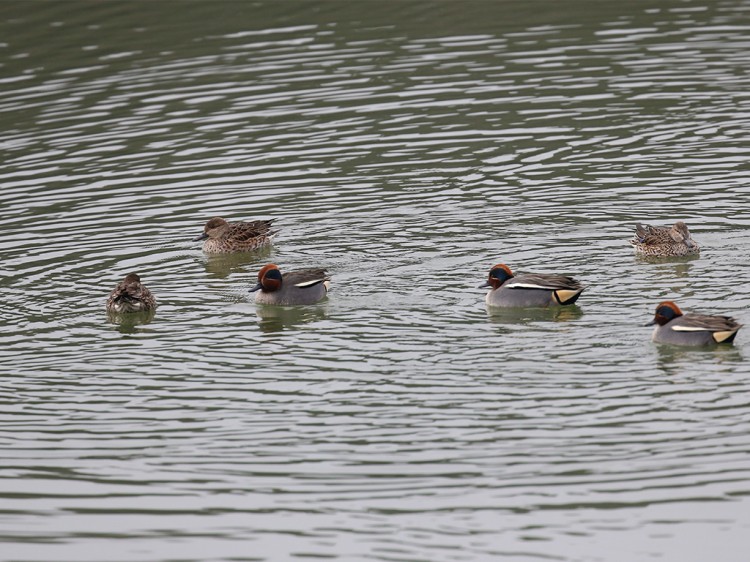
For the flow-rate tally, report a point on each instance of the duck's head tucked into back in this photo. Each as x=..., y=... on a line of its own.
x=222, y=237
x=130, y=295
x=680, y=234
x=269, y=279
x=662, y=241
x=665, y=312
x=214, y=228
x=499, y=274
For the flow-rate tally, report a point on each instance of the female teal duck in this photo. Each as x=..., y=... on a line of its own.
x=659, y=241
x=674, y=327
x=130, y=295
x=530, y=289
x=305, y=286
x=222, y=237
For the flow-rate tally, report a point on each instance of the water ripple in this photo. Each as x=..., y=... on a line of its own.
x=407, y=152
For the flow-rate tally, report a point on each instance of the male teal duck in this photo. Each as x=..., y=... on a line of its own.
x=674, y=327
x=305, y=286
x=530, y=289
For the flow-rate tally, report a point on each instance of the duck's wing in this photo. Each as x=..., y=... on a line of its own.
x=131, y=293
x=706, y=322
x=641, y=231
x=245, y=231
x=647, y=235
x=549, y=281
x=306, y=277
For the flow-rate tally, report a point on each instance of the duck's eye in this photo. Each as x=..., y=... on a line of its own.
x=273, y=274
x=666, y=312
x=500, y=274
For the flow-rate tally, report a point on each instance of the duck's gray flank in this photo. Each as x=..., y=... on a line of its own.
x=304, y=286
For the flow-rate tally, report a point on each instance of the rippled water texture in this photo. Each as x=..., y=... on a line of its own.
x=407, y=147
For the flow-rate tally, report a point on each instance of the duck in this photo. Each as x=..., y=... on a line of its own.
x=130, y=295
x=222, y=237
x=530, y=289
x=662, y=241
x=674, y=327
x=304, y=286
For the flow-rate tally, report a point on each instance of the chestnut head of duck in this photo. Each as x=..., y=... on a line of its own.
x=269, y=279
x=665, y=312
x=498, y=275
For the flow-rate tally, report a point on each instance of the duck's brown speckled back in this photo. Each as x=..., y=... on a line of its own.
x=222, y=237
x=130, y=295
x=658, y=241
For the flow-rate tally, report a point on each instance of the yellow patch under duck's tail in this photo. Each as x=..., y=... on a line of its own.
x=725, y=336
x=567, y=296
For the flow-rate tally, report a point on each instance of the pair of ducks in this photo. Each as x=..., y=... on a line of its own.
x=309, y=286
x=672, y=326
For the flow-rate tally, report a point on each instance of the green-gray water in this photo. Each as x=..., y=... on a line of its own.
x=407, y=147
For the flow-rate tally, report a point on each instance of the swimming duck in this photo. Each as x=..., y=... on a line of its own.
x=672, y=326
x=530, y=289
x=660, y=241
x=304, y=286
x=222, y=237
x=130, y=295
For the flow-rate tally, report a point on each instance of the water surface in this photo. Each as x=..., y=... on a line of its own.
x=407, y=147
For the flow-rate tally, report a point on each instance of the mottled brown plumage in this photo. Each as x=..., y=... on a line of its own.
x=130, y=295
x=659, y=241
x=222, y=237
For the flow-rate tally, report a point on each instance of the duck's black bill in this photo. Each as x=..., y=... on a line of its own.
x=201, y=237
x=650, y=323
x=258, y=287
x=487, y=284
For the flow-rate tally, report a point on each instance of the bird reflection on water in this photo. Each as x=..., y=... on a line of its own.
x=278, y=318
